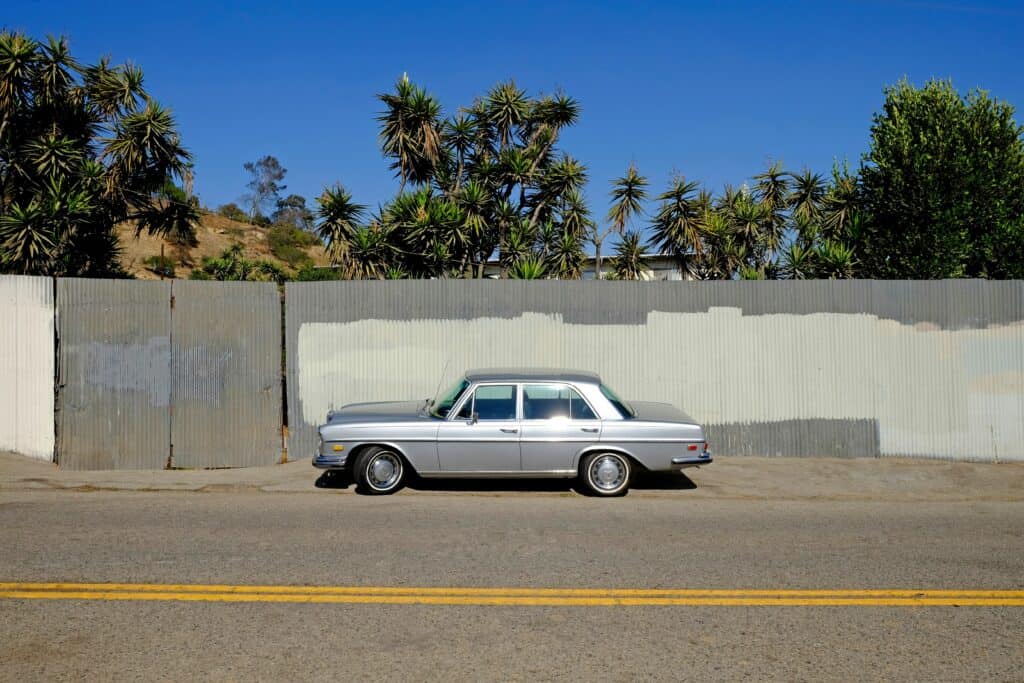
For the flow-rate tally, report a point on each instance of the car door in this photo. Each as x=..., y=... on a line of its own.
x=557, y=424
x=482, y=434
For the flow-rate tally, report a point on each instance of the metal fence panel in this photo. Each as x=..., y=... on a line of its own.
x=226, y=344
x=26, y=365
x=932, y=369
x=114, y=374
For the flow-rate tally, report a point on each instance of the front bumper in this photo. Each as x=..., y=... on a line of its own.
x=329, y=462
x=684, y=461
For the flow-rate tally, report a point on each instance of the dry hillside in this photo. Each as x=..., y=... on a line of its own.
x=214, y=234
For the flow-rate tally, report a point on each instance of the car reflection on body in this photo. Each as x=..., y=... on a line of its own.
x=511, y=423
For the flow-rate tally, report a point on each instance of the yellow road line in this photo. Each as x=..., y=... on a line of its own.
x=437, y=595
x=516, y=591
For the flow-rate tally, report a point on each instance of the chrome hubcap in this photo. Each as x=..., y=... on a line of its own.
x=384, y=471
x=607, y=473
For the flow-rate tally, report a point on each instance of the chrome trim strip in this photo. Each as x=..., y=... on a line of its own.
x=649, y=440
x=486, y=474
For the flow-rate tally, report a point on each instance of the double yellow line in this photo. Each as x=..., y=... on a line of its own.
x=560, y=597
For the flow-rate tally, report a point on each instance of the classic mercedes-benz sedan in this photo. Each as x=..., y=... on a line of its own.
x=511, y=423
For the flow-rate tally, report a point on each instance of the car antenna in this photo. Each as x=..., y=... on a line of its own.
x=432, y=401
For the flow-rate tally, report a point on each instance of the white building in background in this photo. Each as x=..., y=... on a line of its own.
x=659, y=267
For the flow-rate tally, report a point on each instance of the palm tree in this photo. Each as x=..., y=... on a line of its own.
x=678, y=227
x=628, y=193
x=628, y=263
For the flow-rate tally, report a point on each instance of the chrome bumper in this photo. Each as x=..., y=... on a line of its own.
x=329, y=462
x=685, y=461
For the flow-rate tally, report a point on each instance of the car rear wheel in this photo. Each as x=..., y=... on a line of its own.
x=606, y=474
x=379, y=471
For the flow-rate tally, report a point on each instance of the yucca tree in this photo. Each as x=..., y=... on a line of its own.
x=772, y=190
x=338, y=219
x=678, y=226
x=369, y=253
x=628, y=194
x=517, y=246
x=841, y=203
x=628, y=262
x=565, y=255
x=494, y=165
x=798, y=262
x=82, y=150
x=410, y=132
x=506, y=107
x=806, y=195
x=835, y=260
x=529, y=268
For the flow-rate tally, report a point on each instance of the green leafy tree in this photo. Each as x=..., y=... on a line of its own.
x=943, y=186
x=83, y=148
x=265, y=176
x=292, y=210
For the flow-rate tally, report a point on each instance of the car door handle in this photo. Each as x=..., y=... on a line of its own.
x=592, y=430
x=509, y=430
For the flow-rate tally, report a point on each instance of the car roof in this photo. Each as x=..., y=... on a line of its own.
x=532, y=374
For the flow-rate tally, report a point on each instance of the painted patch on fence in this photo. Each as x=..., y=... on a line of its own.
x=930, y=391
x=26, y=366
x=142, y=368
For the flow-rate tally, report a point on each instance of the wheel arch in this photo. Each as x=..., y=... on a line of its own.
x=599, y=448
x=362, y=446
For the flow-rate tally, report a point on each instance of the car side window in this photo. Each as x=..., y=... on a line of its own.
x=491, y=402
x=552, y=401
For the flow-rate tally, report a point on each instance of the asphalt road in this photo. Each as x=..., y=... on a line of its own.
x=671, y=538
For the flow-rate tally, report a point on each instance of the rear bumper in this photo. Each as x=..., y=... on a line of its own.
x=682, y=462
x=329, y=462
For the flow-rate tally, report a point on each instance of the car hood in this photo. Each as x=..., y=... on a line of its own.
x=380, y=411
x=660, y=412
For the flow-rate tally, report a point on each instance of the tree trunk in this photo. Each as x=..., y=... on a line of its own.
x=597, y=260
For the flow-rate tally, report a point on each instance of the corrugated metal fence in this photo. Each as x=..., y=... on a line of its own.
x=26, y=365
x=842, y=368
x=157, y=374
x=188, y=373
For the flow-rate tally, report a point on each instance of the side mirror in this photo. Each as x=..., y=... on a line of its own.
x=474, y=419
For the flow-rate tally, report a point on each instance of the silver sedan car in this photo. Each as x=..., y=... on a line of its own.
x=511, y=423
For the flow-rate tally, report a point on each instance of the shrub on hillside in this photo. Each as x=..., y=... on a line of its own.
x=161, y=265
x=232, y=211
x=289, y=244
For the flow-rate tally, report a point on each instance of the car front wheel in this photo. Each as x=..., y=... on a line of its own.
x=606, y=474
x=379, y=471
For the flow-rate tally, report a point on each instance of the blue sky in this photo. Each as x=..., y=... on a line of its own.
x=710, y=90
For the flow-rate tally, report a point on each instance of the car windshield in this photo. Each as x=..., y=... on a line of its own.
x=445, y=402
x=625, y=410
